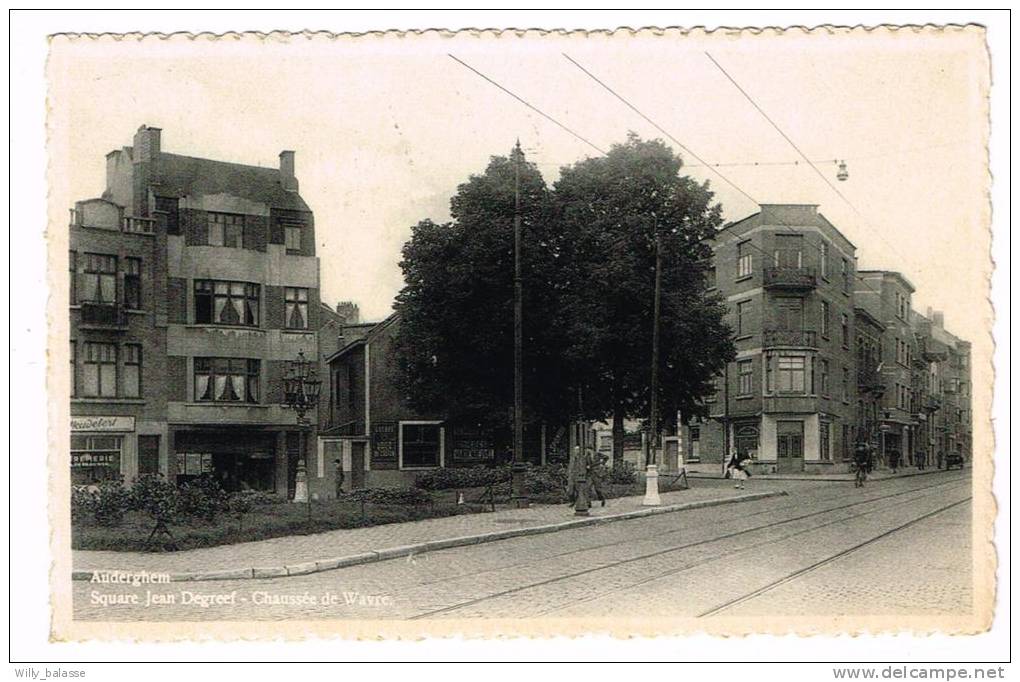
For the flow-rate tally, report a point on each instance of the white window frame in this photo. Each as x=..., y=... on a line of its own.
x=400, y=444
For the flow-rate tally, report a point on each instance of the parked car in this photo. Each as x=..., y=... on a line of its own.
x=954, y=459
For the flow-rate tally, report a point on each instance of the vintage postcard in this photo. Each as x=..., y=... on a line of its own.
x=520, y=333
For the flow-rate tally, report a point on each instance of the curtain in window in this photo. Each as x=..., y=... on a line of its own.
x=202, y=387
x=221, y=387
x=237, y=382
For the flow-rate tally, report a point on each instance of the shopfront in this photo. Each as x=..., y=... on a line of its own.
x=238, y=458
x=100, y=448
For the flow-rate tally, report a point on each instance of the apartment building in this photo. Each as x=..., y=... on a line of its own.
x=787, y=275
x=886, y=296
x=199, y=276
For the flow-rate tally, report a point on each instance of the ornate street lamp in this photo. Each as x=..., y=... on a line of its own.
x=301, y=387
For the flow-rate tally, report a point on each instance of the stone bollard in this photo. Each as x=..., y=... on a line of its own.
x=652, y=487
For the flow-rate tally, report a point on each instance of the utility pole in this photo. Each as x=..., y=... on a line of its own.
x=520, y=498
x=652, y=470
x=656, y=308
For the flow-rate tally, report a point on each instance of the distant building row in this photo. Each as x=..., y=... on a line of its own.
x=828, y=356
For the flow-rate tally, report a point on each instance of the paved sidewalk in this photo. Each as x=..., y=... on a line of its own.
x=268, y=558
x=711, y=471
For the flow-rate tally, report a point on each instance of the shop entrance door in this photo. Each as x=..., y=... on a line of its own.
x=357, y=465
x=790, y=446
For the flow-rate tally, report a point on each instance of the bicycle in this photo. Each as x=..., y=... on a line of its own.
x=860, y=474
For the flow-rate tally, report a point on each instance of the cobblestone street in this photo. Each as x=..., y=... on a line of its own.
x=897, y=546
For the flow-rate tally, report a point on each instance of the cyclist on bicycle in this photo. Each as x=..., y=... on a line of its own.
x=862, y=464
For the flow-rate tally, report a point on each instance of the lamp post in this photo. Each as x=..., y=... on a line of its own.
x=517, y=470
x=301, y=387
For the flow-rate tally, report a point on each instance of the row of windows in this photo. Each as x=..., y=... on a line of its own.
x=904, y=352
x=107, y=370
x=790, y=374
x=238, y=304
x=228, y=229
x=789, y=440
x=790, y=311
x=93, y=279
x=789, y=254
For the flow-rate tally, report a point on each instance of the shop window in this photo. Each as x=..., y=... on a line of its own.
x=420, y=445
x=230, y=303
x=132, y=370
x=99, y=279
x=230, y=380
x=226, y=229
x=744, y=259
x=791, y=374
x=100, y=374
x=292, y=238
x=745, y=373
x=745, y=440
x=296, y=308
x=133, y=283
x=95, y=458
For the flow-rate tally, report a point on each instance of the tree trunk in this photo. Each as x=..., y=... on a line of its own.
x=618, y=417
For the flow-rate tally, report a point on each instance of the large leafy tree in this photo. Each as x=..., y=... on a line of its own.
x=611, y=212
x=455, y=340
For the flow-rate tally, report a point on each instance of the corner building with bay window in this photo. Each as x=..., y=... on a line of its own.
x=230, y=291
x=786, y=275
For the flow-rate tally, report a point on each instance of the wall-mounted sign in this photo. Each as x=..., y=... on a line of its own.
x=384, y=441
x=94, y=459
x=102, y=423
x=471, y=445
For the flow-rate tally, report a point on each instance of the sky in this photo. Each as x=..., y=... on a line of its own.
x=385, y=128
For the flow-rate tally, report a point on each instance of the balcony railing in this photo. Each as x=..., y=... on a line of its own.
x=871, y=381
x=790, y=278
x=130, y=224
x=791, y=337
x=100, y=314
x=138, y=225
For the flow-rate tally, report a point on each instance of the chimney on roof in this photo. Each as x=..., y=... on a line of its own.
x=287, y=178
x=146, y=144
x=938, y=319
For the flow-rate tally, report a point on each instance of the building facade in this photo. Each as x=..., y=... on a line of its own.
x=827, y=356
x=379, y=440
x=786, y=275
x=229, y=296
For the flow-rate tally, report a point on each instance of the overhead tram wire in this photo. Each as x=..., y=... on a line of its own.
x=527, y=104
x=682, y=146
x=595, y=147
x=659, y=128
x=798, y=150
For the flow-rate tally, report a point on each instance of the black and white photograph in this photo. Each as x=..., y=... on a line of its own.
x=511, y=333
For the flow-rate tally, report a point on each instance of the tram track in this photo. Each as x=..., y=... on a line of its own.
x=828, y=560
x=663, y=534
x=952, y=485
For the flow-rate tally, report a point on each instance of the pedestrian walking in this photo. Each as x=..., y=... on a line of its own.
x=595, y=474
x=894, y=460
x=940, y=458
x=738, y=469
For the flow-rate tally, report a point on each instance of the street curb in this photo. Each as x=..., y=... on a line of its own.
x=308, y=567
x=819, y=479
